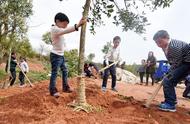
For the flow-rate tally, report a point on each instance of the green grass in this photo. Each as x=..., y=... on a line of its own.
x=32, y=75
x=37, y=76
x=2, y=74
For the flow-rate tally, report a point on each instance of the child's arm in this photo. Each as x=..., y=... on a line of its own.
x=119, y=57
x=107, y=56
x=26, y=66
x=71, y=29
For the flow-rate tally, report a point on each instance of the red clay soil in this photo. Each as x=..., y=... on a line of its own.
x=36, y=106
x=33, y=66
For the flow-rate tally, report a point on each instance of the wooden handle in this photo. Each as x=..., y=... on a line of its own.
x=101, y=70
x=153, y=95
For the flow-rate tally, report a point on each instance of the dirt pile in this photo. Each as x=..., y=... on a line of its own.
x=36, y=106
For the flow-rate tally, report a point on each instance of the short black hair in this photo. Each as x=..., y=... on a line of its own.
x=61, y=17
x=13, y=53
x=116, y=38
x=161, y=34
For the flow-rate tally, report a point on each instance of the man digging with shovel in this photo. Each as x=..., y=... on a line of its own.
x=178, y=55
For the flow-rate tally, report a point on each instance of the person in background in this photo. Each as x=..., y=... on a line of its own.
x=24, y=69
x=123, y=65
x=141, y=70
x=112, y=56
x=87, y=70
x=150, y=67
x=13, y=64
x=94, y=69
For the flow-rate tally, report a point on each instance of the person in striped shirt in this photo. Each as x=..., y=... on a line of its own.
x=178, y=54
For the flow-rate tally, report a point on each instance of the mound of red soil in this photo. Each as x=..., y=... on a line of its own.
x=36, y=106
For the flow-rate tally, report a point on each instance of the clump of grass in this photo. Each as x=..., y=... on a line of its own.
x=2, y=98
x=125, y=97
x=98, y=109
x=2, y=74
x=37, y=76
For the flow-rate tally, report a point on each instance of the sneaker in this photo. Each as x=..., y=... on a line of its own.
x=67, y=89
x=113, y=89
x=186, y=96
x=188, y=112
x=104, y=89
x=167, y=107
x=23, y=85
x=162, y=102
x=56, y=95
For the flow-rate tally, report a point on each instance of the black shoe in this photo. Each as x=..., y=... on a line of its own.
x=188, y=113
x=67, y=89
x=56, y=95
x=113, y=89
x=54, y=92
x=185, y=96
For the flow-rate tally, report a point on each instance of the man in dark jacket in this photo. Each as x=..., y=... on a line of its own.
x=178, y=55
x=13, y=64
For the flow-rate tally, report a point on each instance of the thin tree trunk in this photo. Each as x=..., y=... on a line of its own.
x=8, y=69
x=81, y=96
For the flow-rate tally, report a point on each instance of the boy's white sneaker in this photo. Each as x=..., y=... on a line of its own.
x=21, y=86
x=104, y=89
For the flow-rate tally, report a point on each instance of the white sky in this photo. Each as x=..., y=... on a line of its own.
x=133, y=48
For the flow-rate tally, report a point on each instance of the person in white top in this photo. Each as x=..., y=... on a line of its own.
x=112, y=56
x=57, y=54
x=24, y=69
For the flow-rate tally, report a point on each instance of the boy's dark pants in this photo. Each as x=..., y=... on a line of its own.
x=112, y=71
x=171, y=80
x=57, y=62
x=187, y=89
x=141, y=74
x=21, y=77
x=12, y=77
x=88, y=73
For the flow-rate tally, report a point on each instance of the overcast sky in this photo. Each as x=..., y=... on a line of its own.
x=133, y=48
